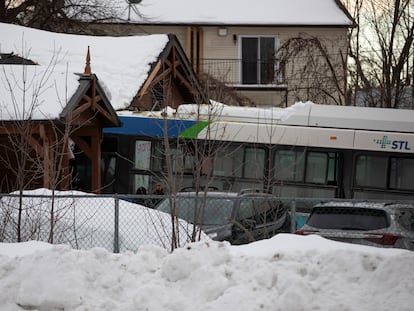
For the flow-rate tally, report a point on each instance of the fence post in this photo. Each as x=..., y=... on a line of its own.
x=293, y=217
x=116, y=226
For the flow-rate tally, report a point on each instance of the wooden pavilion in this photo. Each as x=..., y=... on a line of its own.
x=37, y=153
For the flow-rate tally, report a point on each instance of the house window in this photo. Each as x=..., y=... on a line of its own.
x=259, y=62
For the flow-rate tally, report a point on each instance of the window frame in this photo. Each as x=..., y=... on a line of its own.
x=391, y=174
x=388, y=174
x=258, y=79
x=302, y=171
x=239, y=156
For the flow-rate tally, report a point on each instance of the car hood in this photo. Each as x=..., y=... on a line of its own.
x=218, y=232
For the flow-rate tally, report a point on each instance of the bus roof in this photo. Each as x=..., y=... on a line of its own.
x=310, y=114
x=301, y=114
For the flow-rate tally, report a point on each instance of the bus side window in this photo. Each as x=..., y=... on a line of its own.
x=371, y=171
x=316, y=167
x=289, y=165
x=321, y=168
x=253, y=162
x=402, y=173
x=247, y=162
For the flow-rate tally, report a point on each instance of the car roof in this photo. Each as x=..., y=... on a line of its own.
x=208, y=193
x=366, y=204
x=213, y=191
x=250, y=193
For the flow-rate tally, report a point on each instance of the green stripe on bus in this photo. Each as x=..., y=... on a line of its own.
x=192, y=131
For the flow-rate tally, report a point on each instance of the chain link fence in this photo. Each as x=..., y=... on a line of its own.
x=121, y=223
x=115, y=223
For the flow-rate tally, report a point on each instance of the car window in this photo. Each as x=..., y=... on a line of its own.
x=348, y=218
x=246, y=209
x=260, y=209
x=200, y=210
x=406, y=219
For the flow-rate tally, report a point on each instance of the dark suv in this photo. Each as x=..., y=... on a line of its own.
x=239, y=218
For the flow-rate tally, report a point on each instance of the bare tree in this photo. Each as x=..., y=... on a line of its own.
x=36, y=152
x=316, y=69
x=58, y=15
x=188, y=161
x=382, y=51
x=219, y=91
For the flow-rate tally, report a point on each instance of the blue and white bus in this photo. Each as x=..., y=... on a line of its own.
x=306, y=150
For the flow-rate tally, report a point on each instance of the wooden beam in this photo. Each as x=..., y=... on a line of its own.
x=174, y=56
x=37, y=147
x=150, y=78
x=47, y=159
x=183, y=79
x=188, y=43
x=85, y=106
x=201, y=48
x=20, y=128
x=95, y=100
x=161, y=76
x=173, y=64
x=82, y=145
x=93, y=152
x=105, y=114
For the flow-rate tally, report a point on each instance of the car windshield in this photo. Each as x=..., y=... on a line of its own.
x=199, y=210
x=347, y=218
x=265, y=209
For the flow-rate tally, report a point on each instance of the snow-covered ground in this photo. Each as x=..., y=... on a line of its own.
x=287, y=272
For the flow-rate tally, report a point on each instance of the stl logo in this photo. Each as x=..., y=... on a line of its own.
x=384, y=142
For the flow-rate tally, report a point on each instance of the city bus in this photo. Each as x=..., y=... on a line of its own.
x=306, y=150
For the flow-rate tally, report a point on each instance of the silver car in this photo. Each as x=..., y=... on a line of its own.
x=367, y=223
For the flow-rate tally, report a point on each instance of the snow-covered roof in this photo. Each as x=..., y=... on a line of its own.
x=235, y=12
x=41, y=91
x=299, y=114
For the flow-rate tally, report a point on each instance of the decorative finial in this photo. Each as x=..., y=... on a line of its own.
x=87, y=71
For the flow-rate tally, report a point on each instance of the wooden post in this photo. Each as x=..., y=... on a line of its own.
x=46, y=156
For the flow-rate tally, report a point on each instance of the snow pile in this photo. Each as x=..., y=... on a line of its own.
x=287, y=272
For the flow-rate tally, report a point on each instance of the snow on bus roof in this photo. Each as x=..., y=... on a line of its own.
x=299, y=114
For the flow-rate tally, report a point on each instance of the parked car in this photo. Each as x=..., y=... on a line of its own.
x=239, y=218
x=367, y=223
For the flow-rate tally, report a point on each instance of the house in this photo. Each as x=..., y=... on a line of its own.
x=52, y=112
x=257, y=51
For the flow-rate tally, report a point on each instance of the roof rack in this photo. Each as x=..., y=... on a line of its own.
x=201, y=188
x=252, y=190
